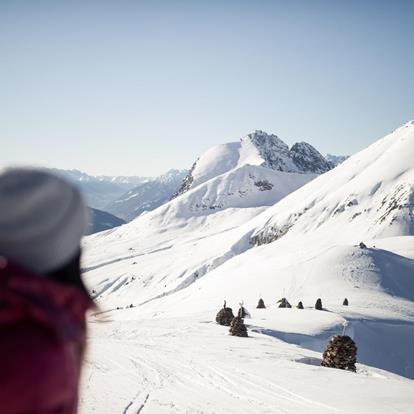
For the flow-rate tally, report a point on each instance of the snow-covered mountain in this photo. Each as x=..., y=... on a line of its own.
x=99, y=190
x=101, y=220
x=256, y=149
x=336, y=159
x=370, y=195
x=224, y=238
x=147, y=196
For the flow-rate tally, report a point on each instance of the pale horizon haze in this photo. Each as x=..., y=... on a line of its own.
x=139, y=87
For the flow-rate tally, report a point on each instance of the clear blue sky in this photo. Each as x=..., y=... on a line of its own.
x=134, y=87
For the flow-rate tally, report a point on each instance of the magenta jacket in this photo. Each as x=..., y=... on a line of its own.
x=42, y=338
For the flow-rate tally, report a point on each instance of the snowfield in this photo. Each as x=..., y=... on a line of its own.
x=191, y=365
x=176, y=265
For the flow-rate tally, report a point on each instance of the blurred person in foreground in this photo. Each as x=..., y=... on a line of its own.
x=42, y=297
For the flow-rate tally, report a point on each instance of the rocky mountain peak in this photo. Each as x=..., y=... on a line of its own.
x=257, y=148
x=309, y=159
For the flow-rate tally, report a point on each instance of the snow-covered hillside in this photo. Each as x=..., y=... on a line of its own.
x=370, y=195
x=176, y=264
x=223, y=195
x=147, y=196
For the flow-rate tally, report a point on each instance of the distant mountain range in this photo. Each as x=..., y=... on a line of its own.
x=99, y=191
x=113, y=200
x=147, y=196
x=336, y=159
x=101, y=220
x=253, y=166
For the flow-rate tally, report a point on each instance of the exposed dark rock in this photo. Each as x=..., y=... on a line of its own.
x=225, y=316
x=268, y=235
x=362, y=245
x=263, y=185
x=341, y=353
x=309, y=159
x=238, y=328
x=283, y=303
x=186, y=183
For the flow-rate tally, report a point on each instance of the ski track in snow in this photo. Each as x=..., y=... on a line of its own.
x=180, y=366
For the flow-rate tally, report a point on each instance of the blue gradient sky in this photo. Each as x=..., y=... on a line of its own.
x=131, y=87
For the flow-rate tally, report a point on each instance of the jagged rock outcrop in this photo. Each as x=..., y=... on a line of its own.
x=268, y=235
x=308, y=159
x=186, y=183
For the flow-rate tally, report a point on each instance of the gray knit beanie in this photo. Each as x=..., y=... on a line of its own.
x=42, y=219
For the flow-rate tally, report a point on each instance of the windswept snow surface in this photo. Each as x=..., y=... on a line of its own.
x=177, y=264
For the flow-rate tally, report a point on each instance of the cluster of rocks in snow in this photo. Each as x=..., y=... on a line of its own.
x=238, y=328
x=225, y=317
x=263, y=185
x=341, y=353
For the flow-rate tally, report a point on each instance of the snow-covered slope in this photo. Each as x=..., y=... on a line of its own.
x=370, y=195
x=147, y=196
x=232, y=184
x=175, y=265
